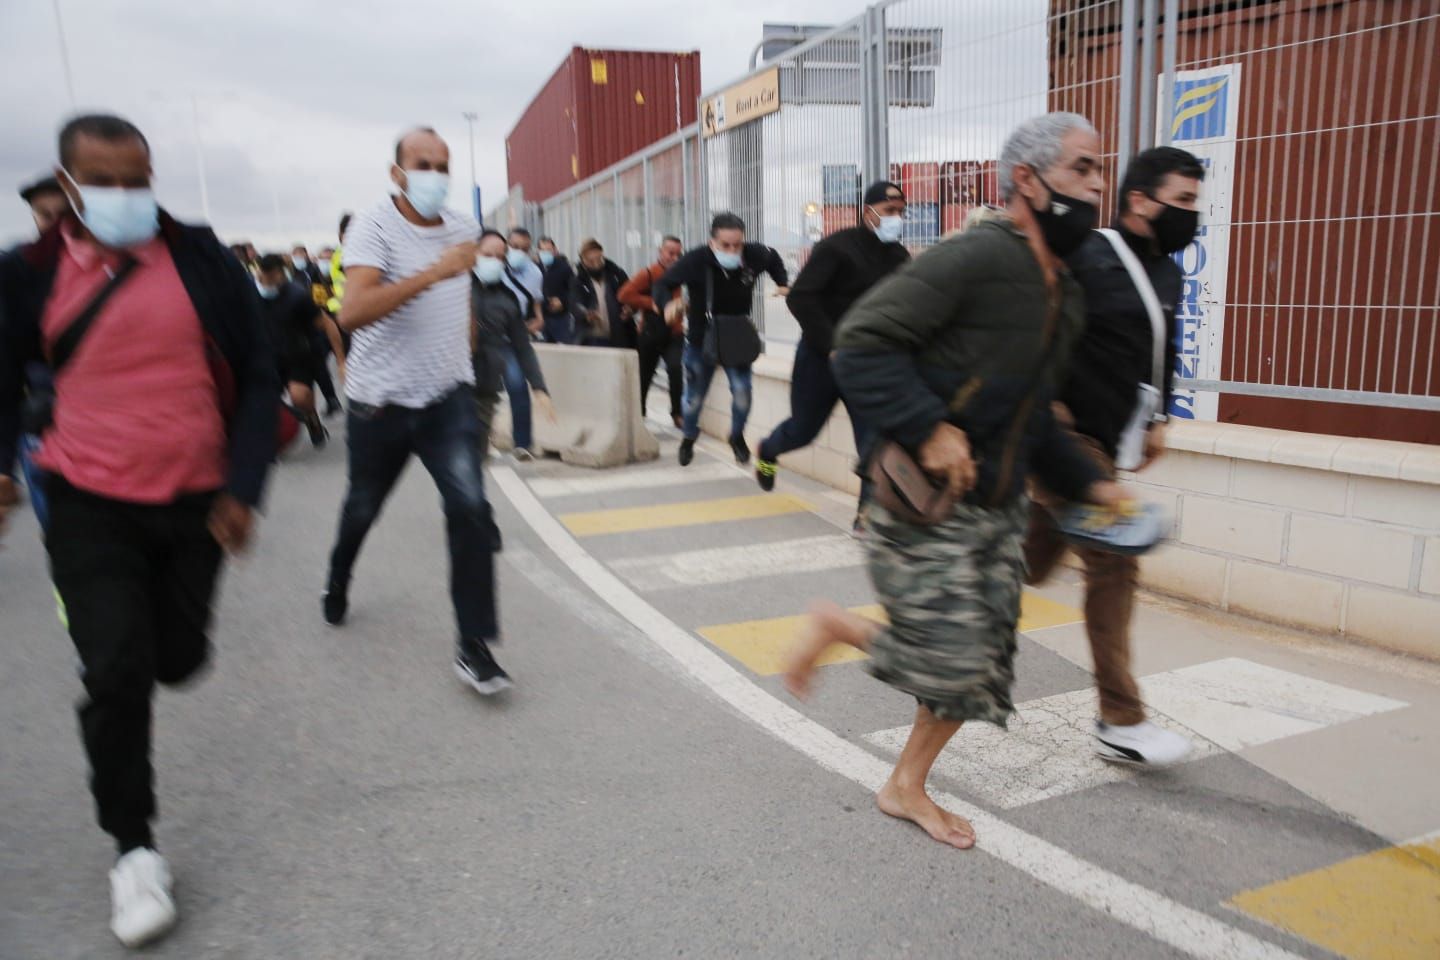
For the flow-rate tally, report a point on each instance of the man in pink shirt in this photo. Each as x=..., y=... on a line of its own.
x=157, y=441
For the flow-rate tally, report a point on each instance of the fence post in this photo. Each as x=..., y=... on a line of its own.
x=1126, y=147
x=1168, y=56
x=1146, y=77
x=875, y=94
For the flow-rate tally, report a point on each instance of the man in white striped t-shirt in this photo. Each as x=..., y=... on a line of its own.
x=410, y=383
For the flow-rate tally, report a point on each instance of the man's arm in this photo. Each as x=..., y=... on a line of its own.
x=774, y=264
x=368, y=299
x=807, y=297
x=635, y=294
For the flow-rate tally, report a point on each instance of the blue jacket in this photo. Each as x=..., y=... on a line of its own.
x=238, y=347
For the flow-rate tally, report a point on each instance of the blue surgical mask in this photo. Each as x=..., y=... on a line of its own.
x=118, y=216
x=269, y=293
x=727, y=261
x=517, y=259
x=489, y=270
x=890, y=229
x=300, y=262
x=325, y=267
x=547, y=259
x=426, y=190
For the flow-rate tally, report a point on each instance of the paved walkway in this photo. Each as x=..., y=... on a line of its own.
x=649, y=790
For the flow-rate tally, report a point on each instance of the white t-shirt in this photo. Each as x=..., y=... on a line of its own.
x=417, y=354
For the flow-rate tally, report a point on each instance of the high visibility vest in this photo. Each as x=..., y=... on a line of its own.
x=337, y=284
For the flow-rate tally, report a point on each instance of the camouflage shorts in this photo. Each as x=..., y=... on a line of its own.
x=952, y=592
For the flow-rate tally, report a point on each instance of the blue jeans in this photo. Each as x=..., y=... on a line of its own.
x=34, y=480
x=445, y=436
x=519, y=392
x=560, y=328
x=698, y=374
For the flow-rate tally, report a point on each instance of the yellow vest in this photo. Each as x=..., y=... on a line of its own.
x=337, y=284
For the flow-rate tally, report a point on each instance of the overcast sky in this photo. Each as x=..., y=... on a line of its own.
x=299, y=102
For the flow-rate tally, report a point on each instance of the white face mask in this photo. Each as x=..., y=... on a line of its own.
x=489, y=270
x=426, y=190
x=889, y=229
x=117, y=216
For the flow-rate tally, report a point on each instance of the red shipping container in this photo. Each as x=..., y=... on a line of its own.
x=599, y=107
x=952, y=218
x=921, y=182
x=835, y=218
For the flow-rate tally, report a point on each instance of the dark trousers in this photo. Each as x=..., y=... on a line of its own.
x=1110, y=581
x=445, y=436
x=658, y=342
x=320, y=353
x=137, y=582
x=813, y=395
x=559, y=328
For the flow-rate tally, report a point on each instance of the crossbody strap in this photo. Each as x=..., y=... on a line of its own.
x=69, y=339
x=1146, y=289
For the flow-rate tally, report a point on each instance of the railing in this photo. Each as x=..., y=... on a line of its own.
x=1315, y=274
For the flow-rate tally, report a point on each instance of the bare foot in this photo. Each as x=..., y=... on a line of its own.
x=919, y=809
x=827, y=624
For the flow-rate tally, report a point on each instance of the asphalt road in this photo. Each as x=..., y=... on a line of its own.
x=336, y=792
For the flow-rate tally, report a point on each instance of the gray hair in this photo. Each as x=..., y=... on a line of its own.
x=1037, y=144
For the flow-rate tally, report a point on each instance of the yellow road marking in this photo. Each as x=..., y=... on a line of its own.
x=630, y=519
x=1380, y=906
x=763, y=645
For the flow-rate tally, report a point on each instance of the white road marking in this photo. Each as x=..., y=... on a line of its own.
x=640, y=479
x=731, y=564
x=1224, y=705
x=1239, y=704
x=1049, y=751
x=1184, y=928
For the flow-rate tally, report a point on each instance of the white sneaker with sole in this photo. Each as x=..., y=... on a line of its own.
x=1142, y=744
x=141, y=898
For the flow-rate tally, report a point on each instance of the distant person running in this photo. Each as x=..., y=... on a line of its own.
x=659, y=339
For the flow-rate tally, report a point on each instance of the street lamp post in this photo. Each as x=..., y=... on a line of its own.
x=64, y=53
x=200, y=159
x=470, y=119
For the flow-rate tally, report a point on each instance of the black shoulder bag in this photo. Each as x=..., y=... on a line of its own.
x=39, y=410
x=731, y=340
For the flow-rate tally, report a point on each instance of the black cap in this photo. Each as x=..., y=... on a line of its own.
x=44, y=185
x=880, y=191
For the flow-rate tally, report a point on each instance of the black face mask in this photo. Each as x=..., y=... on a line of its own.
x=598, y=272
x=1174, y=227
x=1065, y=222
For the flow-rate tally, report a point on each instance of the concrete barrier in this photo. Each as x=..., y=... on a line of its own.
x=596, y=392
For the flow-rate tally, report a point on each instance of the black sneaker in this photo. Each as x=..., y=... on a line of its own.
x=687, y=451
x=480, y=671
x=318, y=434
x=765, y=471
x=335, y=602
x=741, y=450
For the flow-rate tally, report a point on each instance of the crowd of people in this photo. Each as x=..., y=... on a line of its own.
x=146, y=370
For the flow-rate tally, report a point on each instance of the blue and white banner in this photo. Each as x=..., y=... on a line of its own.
x=1204, y=118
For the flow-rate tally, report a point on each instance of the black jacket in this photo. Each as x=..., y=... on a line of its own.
x=583, y=299
x=964, y=335
x=290, y=319
x=1114, y=355
x=841, y=268
x=733, y=290
x=237, y=343
x=500, y=316
x=555, y=282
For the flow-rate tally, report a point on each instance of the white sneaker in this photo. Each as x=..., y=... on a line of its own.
x=523, y=455
x=1143, y=744
x=142, y=904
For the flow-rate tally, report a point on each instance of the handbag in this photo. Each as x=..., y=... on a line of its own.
x=731, y=340
x=39, y=410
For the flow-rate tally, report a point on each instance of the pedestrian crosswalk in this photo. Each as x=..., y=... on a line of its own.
x=747, y=601
x=631, y=519
x=1223, y=705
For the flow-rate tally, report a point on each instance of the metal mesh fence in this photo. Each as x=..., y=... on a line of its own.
x=1314, y=277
